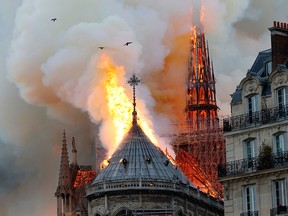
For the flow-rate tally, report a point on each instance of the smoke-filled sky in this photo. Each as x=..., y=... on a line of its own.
x=49, y=75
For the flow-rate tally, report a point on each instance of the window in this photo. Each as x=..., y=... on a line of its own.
x=252, y=103
x=279, y=143
x=252, y=106
x=250, y=148
x=268, y=68
x=282, y=97
x=279, y=193
x=249, y=198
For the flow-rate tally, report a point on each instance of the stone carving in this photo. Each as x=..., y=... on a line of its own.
x=280, y=79
x=251, y=86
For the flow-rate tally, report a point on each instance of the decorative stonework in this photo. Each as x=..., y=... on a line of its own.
x=280, y=79
x=251, y=86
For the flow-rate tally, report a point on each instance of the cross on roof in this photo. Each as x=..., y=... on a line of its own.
x=133, y=81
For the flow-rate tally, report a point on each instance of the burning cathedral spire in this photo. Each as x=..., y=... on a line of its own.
x=200, y=143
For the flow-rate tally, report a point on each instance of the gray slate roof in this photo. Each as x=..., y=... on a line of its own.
x=258, y=71
x=137, y=157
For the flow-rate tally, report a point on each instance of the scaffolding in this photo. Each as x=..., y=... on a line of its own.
x=199, y=142
x=198, y=154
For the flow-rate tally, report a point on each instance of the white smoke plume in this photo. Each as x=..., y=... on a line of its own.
x=54, y=67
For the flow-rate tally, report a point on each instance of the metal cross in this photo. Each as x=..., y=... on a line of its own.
x=133, y=81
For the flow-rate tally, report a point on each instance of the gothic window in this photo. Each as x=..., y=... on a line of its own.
x=249, y=198
x=202, y=95
x=279, y=194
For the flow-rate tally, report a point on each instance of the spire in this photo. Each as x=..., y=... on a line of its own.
x=64, y=174
x=201, y=107
x=133, y=81
x=74, y=151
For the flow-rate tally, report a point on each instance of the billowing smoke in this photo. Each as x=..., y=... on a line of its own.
x=52, y=72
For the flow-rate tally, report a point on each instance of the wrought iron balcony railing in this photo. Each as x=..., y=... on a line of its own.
x=280, y=210
x=250, y=213
x=265, y=116
x=254, y=164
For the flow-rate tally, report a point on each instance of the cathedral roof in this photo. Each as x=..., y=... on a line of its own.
x=137, y=157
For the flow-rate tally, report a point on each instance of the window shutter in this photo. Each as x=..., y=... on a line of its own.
x=256, y=103
x=255, y=148
x=244, y=195
x=285, y=140
x=274, y=204
x=253, y=197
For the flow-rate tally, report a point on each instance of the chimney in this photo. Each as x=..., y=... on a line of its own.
x=279, y=43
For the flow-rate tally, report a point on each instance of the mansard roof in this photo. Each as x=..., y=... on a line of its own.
x=259, y=72
x=258, y=68
x=137, y=157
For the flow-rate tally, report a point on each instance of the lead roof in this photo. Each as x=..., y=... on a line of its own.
x=137, y=157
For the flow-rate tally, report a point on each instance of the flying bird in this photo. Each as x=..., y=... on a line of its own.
x=127, y=43
x=53, y=19
x=101, y=47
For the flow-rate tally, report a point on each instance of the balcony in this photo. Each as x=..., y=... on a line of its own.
x=250, y=213
x=251, y=165
x=265, y=116
x=280, y=210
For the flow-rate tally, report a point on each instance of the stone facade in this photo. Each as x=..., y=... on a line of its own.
x=256, y=171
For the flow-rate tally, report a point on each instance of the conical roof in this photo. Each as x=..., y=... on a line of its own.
x=137, y=157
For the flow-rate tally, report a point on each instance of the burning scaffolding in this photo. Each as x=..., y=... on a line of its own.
x=199, y=141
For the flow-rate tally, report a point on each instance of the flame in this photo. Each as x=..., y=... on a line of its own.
x=83, y=177
x=119, y=105
x=104, y=164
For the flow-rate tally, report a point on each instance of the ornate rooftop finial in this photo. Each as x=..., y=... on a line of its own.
x=133, y=81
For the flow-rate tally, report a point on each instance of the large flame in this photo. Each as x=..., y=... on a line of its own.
x=119, y=105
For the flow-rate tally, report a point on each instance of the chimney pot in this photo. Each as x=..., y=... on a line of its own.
x=285, y=25
x=274, y=23
x=278, y=24
x=281, y=25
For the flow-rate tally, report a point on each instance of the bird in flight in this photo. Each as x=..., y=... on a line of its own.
x=127, y=43
x=53, y=19
x=101, y=47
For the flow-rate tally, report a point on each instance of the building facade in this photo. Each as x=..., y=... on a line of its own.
x=256, y=170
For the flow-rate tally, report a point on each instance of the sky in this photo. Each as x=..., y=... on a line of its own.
x=49, y=75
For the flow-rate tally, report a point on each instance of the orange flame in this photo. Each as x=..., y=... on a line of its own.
x=119, y=105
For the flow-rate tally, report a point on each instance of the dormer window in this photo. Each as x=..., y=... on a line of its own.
x=268, y=67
